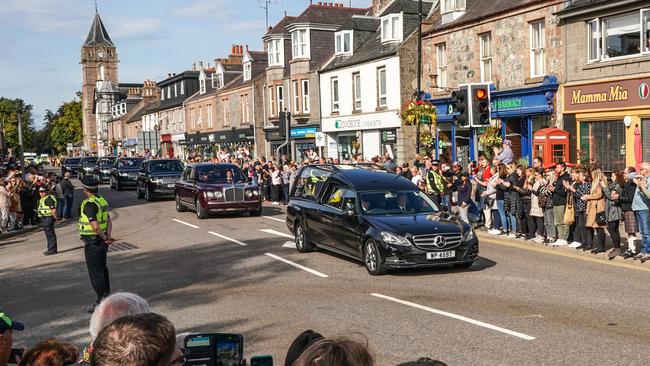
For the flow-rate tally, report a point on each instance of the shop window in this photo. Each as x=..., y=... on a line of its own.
x=604, y=143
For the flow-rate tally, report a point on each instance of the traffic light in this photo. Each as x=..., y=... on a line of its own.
x=480, y=107
x=284, y=121
x=459, y=105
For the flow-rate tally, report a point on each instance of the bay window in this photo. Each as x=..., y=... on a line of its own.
x=280, y=95
x=391, y=28
x=300, y=43
x=296, y=97
x=276, y=52
x=305, y=96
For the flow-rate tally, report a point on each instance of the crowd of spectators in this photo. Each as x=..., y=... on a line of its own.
x=19, y=194
x=124, y=331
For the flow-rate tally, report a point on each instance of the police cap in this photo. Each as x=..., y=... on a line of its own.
x=90, y=184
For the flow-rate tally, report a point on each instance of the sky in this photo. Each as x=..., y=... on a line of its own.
x=40, y=40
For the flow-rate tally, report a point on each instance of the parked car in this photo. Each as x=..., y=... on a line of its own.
x=70, y=165
x=158, y=178
x=103, y=168
x=87, y=166
x=377, y=217
x=124, y=173
x=210, y=188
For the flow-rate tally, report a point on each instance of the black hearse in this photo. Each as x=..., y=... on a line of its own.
x=377, y=217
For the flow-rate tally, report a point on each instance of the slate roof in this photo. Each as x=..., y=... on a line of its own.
x=258, y=68
x=98, y=36
x=582, y=5
x=137, y=116
x=279, y=28
x=334, y=15
x=476, y=9
x=367, y=45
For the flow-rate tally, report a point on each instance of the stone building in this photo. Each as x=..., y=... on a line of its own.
x=514, y=45
x=297, y=47
x=359, y=104
x=606, y=94
x=99, y=69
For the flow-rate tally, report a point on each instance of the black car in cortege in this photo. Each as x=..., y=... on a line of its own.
x=70, y=165
x=87, y=167
x=103, y=168
x=375, y=216
x=158, y=177
x=124, y=173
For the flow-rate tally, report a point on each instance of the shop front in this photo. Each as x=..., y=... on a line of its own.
x=235, y=138
x=610, y=121
x=166, y=146
x=273, y=142
x=303, y=139
x=368, y=134
x=178, y=145
x=130, y=145
x=518, y=112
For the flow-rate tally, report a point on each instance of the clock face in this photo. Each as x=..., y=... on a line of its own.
x=100, y=54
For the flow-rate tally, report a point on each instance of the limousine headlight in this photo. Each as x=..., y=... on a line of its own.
x=469, y=235
x=249, y=194
x=393, y=239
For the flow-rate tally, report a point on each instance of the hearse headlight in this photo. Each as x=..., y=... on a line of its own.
x=394, y=239
x=469, y=235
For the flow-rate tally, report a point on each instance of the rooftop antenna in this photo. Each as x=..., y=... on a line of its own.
x=266, y=9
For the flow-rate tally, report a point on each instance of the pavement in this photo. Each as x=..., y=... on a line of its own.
x=519, y=304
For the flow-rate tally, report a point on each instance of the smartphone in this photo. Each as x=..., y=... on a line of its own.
x=15, y=355
x=214, y=349
x=265, y=360
x=230, y=349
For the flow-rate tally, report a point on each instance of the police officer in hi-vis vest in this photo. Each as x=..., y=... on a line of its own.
x=95, y=231
x=47, y=212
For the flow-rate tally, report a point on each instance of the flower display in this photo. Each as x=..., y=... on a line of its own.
x=491, y=138
x=416, y=112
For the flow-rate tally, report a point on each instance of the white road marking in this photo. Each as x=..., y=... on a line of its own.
x=277, y=233
x=227, y=238
x=273, y=218
x=186, y=223
x=457, y=317
x=300, y=266
x=289, y=244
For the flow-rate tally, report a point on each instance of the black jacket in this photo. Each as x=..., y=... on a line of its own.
x=627, y=196
x=559, y=195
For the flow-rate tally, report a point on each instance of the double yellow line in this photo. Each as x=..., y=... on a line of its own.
x=561, y=253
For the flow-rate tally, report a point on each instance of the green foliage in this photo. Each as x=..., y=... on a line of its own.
x=9, y=110
x=67, y=125
x=523, y=161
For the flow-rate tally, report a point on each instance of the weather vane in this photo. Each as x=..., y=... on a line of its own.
x=95, y=6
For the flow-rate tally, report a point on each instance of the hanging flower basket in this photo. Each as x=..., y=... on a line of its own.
x=491, y=138
x=419, y=112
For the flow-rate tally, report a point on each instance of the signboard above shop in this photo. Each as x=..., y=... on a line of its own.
x=304, y=132
x=370, y=121
x=621, y=94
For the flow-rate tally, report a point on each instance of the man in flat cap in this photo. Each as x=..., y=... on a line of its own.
x=47, y=213
x=95, y=230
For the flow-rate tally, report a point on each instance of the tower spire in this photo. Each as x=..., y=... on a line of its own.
x=98, y=34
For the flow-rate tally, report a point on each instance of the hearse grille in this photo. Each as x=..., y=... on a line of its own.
x=431, y=242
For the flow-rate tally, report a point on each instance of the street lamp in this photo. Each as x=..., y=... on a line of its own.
x=419, y=74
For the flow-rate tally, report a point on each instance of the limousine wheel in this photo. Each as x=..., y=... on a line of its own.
x=372, y=259
x=200, y=213
x=179, y=205
x=256, y=213
x=302, y=243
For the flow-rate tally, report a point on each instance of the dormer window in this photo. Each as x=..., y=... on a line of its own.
x=300, y=43
x=248, y=70
x=344, y=43
x=448, y=6
x=276, y=52
x=391, y=28
x=217, y=81
x=201, y=85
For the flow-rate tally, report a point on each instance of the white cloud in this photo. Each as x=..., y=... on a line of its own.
x=129, y=28
x=216, y=9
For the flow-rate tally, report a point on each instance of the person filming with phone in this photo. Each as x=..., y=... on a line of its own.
x=7, y=327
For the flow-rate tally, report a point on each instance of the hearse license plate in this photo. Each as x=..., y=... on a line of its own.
x=442, y=255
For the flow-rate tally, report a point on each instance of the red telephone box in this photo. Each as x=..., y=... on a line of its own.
x=552, y=145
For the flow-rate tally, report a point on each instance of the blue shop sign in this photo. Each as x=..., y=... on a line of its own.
x=309, y=132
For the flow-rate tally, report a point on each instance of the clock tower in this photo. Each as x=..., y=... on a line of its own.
x=99, y=64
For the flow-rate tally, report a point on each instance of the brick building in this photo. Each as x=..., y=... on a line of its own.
x=515, y=45
x=297, y=47
x=606, y=93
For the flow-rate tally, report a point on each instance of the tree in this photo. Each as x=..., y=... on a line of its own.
x=9, y=109
x=67, y=126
